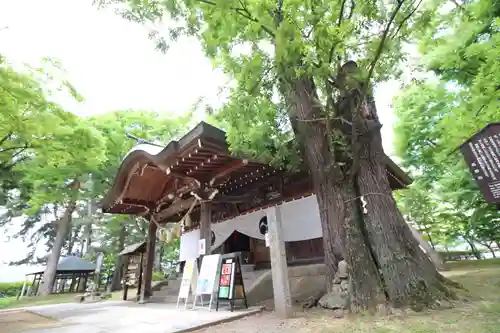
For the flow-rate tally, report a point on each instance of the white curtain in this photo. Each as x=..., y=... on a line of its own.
x=300, y=220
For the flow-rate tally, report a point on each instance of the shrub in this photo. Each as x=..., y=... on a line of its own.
x=158, y=276
x=11, y=288
x=457, y=255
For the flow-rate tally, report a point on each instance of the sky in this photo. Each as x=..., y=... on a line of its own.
x=114, y=66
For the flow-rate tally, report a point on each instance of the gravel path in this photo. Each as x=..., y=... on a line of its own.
x=266, y=322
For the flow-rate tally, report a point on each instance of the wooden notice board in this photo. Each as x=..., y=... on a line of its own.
x=482, y=155
x=231, y=286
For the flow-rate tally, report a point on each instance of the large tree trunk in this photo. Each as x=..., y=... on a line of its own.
x=117, y=275
x=63, y=226
x=431, y=251
x=409, y=277
x=338, y=206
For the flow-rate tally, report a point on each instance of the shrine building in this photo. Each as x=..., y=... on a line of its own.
x=230, y=200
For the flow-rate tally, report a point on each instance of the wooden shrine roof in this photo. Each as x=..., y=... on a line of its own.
x=160, y=181
x=148, y=176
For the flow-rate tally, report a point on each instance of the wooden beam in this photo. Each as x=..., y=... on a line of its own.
x=136, y=202
x=182, y=176
x=182, y=205
x=227, y=169
x=175, y=208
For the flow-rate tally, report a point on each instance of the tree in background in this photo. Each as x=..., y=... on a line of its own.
x=456, y=94
x=305, y=71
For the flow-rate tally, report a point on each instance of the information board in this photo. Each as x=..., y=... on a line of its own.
x=231, y=286
x=482, y=154
x=188, y=282
x=207, y=279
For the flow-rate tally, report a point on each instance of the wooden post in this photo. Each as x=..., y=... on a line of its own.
x=205, y=225
x=150, y=256
x=141, y=272
x=24, y=287
x=38, y=284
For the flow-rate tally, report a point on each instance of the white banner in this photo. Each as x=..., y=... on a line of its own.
x=300, y=218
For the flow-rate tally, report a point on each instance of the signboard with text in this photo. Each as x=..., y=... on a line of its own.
x=482, y=155
x=188, y=282
x=231, y=286
x=207, y=279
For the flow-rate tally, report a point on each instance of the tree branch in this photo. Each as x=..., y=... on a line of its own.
x=406, y=19
x=378, y=53
x=245, y=13
x=341, y=14
x=6, y=137
x=23, y=148
x=353, y=6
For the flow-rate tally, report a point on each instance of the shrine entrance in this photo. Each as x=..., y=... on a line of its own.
x=238, y=242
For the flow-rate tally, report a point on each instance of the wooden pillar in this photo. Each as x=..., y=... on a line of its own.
x=38, y=284
x=24, y=286
x=205, y=225
x=148, y=267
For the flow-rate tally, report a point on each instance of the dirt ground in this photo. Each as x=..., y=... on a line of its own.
x=21, y=320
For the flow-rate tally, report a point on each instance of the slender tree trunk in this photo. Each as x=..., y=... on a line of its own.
x=117, y=275
x=430, y=241
x=63, y=226
x=473, y=248
x=73, y=237
x=88, y=231
x=409, y=277
x=498, y=245
x=82, y=247
x=157, y=262
x=489, y=247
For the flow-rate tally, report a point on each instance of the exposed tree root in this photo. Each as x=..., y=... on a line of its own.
x=313, y=300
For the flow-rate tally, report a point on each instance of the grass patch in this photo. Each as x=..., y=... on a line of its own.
x=480, y=315
x=11, y=302
x=473, y=264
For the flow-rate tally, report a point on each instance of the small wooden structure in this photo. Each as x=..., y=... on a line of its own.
x=199, y=172
x=133, y=262
x=71, y=268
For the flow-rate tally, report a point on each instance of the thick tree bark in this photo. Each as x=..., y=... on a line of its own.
x=336, y=199
x=63, y=225
x=409, y=277
x=431, y=251
x=117, y=275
